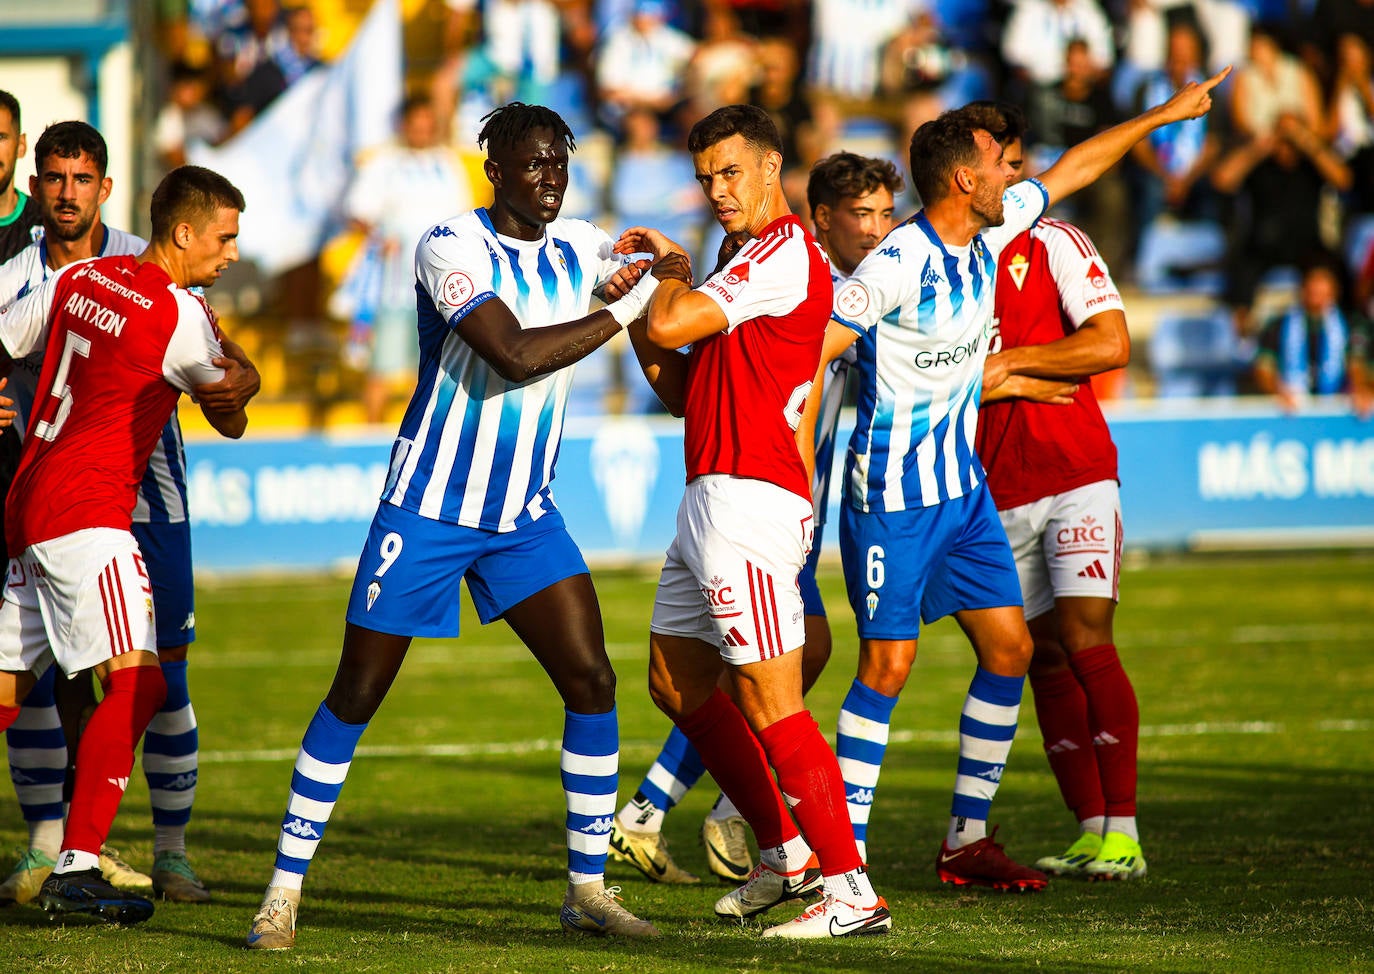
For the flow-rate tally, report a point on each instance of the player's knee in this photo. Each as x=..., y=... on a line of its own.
x=589, y=688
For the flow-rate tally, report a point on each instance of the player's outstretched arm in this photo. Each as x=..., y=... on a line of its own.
x=1085, y=162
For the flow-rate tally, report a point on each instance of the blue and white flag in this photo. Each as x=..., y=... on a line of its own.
x=294, y=162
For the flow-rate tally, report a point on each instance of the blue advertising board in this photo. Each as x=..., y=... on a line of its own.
x=1198, y=474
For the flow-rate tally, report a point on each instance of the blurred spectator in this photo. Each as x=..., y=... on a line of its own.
x=1173, y=160
x=1332, y=18
x=917, y=65
x=1038, y=32
x=399, y=192
x=264, y=56
x=1350, y=116
x=723, y=67
x=1224, y=26
x=251, y=35
x=1063, y=114
x=1273, y=83
x=302, y=49
x=641, y=65
x=188, y=117
x=1278, y=181
x=777, y=92
x=849, y=37
x=1316, y=347
x=518, y=38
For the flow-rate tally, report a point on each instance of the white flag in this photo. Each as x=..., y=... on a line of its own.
x=293, y=163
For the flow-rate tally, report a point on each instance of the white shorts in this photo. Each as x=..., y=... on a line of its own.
x=1067, y=544
x=80, y=599
x=730, y=576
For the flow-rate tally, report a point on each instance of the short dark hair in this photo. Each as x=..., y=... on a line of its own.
x=507, y=126
x=847, y=175
x=941, y=146
x=413, y=102
x=11, y=104
x=69, y=140
x=1004, y=121
x=191, y=194
x=749, y=121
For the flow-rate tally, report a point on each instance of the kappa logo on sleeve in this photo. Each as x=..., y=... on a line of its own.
x=457, y=289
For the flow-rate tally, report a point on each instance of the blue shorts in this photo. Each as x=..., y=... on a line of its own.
x=812, y=604
x=902, y=568
x=166, y=547
x=408, y=575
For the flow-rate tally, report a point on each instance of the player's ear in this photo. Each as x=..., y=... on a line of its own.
x=182, y=234
x=821, y=216
x=23, y=145
x=772, y=165
x=963, y=179
x=33, y=185
x=105, y=186
x=493, y=170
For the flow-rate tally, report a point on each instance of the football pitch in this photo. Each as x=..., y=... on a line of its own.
x=1255, y=676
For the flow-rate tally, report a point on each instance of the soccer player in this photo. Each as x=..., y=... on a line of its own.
x=504, y=293
x=126, y=340
x=1051, y=470
x=851, y=201
x=919, y=536
x=728, y=603
x=19, y=215
x=70, y=187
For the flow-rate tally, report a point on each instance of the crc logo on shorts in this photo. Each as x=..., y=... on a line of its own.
x=720, y=598
x=457, y=289
x=852, y=300
x=1087, y=535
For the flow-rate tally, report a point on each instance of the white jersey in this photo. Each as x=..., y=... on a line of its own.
x=162, y=493
x=924, y=314
x=828, y=420
x=473, y=448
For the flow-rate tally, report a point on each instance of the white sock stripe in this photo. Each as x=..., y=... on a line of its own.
x=38, y=794
x=589, y=845
x=38, y=757
x=155, y=763
x=859, y=773
x=991, y=713
x=309, y=808
x=37, y=718
x=296, y=848
x=598, y=806
x=171, y=801
x=858, y=814
x=971, y=787
x=982, y=749
x=325, y=774
x=864, y=728
x=593, y=765
x=176, y=722
x=662, y=779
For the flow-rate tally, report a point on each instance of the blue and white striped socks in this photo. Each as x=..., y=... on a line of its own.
x=589, y=765
x=38, y=765
x=171, y=753
x=860, y=743
x=321, y=767
x=986, y=730
x=673, y=774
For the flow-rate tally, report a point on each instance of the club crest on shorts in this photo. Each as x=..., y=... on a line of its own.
x=373, y=590
x=872, y=603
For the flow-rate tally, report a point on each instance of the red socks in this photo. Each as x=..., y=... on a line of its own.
x=809, y=777
x=1115, y=719
x=736, y=760
x=1061, y=709
x=106, y=753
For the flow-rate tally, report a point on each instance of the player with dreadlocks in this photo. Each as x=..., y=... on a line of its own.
x=503, y=299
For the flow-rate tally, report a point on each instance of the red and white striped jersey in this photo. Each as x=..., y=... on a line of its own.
x=1050, y=280
x=122, y=343
x=747, y=385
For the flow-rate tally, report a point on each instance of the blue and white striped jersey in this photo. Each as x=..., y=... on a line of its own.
x=473, y=448
x=162, y=492
x=923, y=311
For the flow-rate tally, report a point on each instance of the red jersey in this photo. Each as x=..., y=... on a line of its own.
x=747, y=385
x=121, y=342
x=1050, y=279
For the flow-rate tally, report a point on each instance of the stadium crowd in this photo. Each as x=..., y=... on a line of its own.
x=1192, y=223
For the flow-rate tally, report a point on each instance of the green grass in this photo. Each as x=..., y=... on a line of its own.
x=1255, y=682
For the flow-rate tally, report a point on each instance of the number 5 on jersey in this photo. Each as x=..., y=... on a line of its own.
x=76, y=345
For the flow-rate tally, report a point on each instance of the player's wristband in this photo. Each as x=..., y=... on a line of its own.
x=632, y=305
